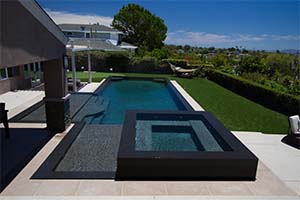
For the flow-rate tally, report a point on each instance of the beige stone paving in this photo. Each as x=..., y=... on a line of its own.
x=18, y=101
x=91, y=87
x=187, y=97
x=281, y=159
x=266, y=184
x=25, y=125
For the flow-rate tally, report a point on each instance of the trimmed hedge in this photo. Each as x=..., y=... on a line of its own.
x=142, y=65
x=118, y=62
x=177, y=62
x=278, y=101
x=101, y=61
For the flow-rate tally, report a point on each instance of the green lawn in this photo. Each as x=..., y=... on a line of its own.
x=235, y=112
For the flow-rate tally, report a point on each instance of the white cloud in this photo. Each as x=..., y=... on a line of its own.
x=285, y=37
x=202, y=38
x=60, y=17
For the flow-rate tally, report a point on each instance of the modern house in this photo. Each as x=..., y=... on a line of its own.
x=90, y=31
x=32, y=49
x=23, y=76
x=98, y=36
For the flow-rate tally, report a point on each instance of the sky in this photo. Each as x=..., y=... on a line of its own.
x=252, y=24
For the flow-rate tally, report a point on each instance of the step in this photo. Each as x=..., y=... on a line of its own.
x=205, y=137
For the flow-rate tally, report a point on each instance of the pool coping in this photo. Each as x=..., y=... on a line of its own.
x=194, y=104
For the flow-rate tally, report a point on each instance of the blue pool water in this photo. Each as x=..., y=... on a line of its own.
x=111, y=102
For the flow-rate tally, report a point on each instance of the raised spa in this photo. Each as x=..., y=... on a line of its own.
x=181, y=145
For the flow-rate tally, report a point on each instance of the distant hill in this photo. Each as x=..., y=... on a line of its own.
x=290, y=51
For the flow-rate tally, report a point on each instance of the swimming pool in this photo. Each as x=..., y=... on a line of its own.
x=131, y=126
x=119, y=94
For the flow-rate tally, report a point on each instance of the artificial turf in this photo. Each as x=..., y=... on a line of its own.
x=235, y=112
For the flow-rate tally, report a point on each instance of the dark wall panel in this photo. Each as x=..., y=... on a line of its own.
x=23, y=38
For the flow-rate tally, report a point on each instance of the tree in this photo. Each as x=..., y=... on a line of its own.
x=219, y=60
x=140, y=27
x=251, y=64
x=279, y=62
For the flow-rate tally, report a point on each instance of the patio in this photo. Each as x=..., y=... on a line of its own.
x=276, y=175
x=267, y=183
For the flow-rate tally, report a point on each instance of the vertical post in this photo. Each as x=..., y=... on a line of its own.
x=74, y=72
x=73, y=67
x=89, y=63
x=29, y=72
x=56, y=97
x=40, y=71
x=34, y=73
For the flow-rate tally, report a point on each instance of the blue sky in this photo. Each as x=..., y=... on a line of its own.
x=252, y=24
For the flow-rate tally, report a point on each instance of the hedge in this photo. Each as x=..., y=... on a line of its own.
x=177, y=62
x=118, y=62
x=275, y=100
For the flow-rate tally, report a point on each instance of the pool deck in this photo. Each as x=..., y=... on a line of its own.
x=91, y=87
x=18, y=101
x=278, y=175
x=187, y=97
x=266, y=185
x=283, y=160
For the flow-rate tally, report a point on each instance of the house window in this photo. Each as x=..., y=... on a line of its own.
x=69, y=33
x=3, y=73
x=13, y=71
x=27, y=71
x=87, y=35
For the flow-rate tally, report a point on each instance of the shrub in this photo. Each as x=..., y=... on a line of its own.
x=177, y=62
x=101, y=61
x=144, y=64
x=275, y=100
x=117, y=61
x=203, y=69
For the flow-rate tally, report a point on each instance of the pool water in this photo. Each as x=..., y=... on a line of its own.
x=174, y=135
x=111, y=102
x=166, y=141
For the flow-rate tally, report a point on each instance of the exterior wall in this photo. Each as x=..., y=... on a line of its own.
x=101, y=35
x=78, y=34
x=23, y=38
x=74, y=34
x=14, y=83
x=5, y=86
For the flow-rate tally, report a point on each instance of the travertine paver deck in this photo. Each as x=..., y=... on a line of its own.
x=91, y=87
x=18, y=101
x=266, y=184
x=282, y=159
x=187, y=97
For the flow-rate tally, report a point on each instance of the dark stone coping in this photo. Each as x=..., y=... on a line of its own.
x=236, y=163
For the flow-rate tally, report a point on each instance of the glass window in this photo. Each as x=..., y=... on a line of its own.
x=3, y=73
x=27, y=71
x=13, y=71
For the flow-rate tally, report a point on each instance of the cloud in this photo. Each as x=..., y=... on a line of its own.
x=285, y=37
x=60, y=17
x=203, y=38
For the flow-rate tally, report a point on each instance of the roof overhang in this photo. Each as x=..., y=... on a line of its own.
x=35, y=9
